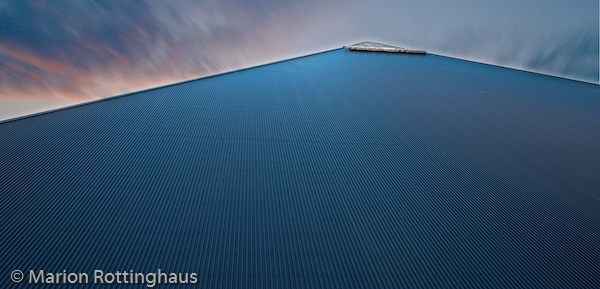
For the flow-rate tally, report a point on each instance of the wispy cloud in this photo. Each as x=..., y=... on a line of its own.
x=81, y=50
x=84, y=50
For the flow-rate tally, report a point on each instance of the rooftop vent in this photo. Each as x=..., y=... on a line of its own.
x=372, y=46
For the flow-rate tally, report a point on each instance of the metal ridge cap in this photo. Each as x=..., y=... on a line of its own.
x=373, y=46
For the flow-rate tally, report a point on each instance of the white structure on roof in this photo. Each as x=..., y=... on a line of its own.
x=372, y=46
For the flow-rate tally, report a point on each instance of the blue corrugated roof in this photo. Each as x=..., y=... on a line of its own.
x=339, y=170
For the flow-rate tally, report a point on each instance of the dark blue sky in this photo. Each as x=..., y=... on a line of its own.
x=56, y=53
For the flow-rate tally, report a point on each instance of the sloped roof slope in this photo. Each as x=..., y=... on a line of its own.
x=345, y=169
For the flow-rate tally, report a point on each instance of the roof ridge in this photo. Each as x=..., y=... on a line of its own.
x=374, y=46
x=153, y=88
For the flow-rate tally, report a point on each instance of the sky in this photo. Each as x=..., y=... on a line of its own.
x=59, y=53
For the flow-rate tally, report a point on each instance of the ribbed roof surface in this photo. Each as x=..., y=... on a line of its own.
x=343, y=169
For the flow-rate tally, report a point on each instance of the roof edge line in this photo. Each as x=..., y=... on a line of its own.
x=518, y=69
x=154, y=88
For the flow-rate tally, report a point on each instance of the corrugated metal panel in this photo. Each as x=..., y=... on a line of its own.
x=340, y=170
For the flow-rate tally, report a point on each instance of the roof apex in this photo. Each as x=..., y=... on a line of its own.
x=373, y=46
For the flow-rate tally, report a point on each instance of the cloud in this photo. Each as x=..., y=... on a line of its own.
x=93, y=49
x=83, y=50
x=558, y=38
x=571, y=53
